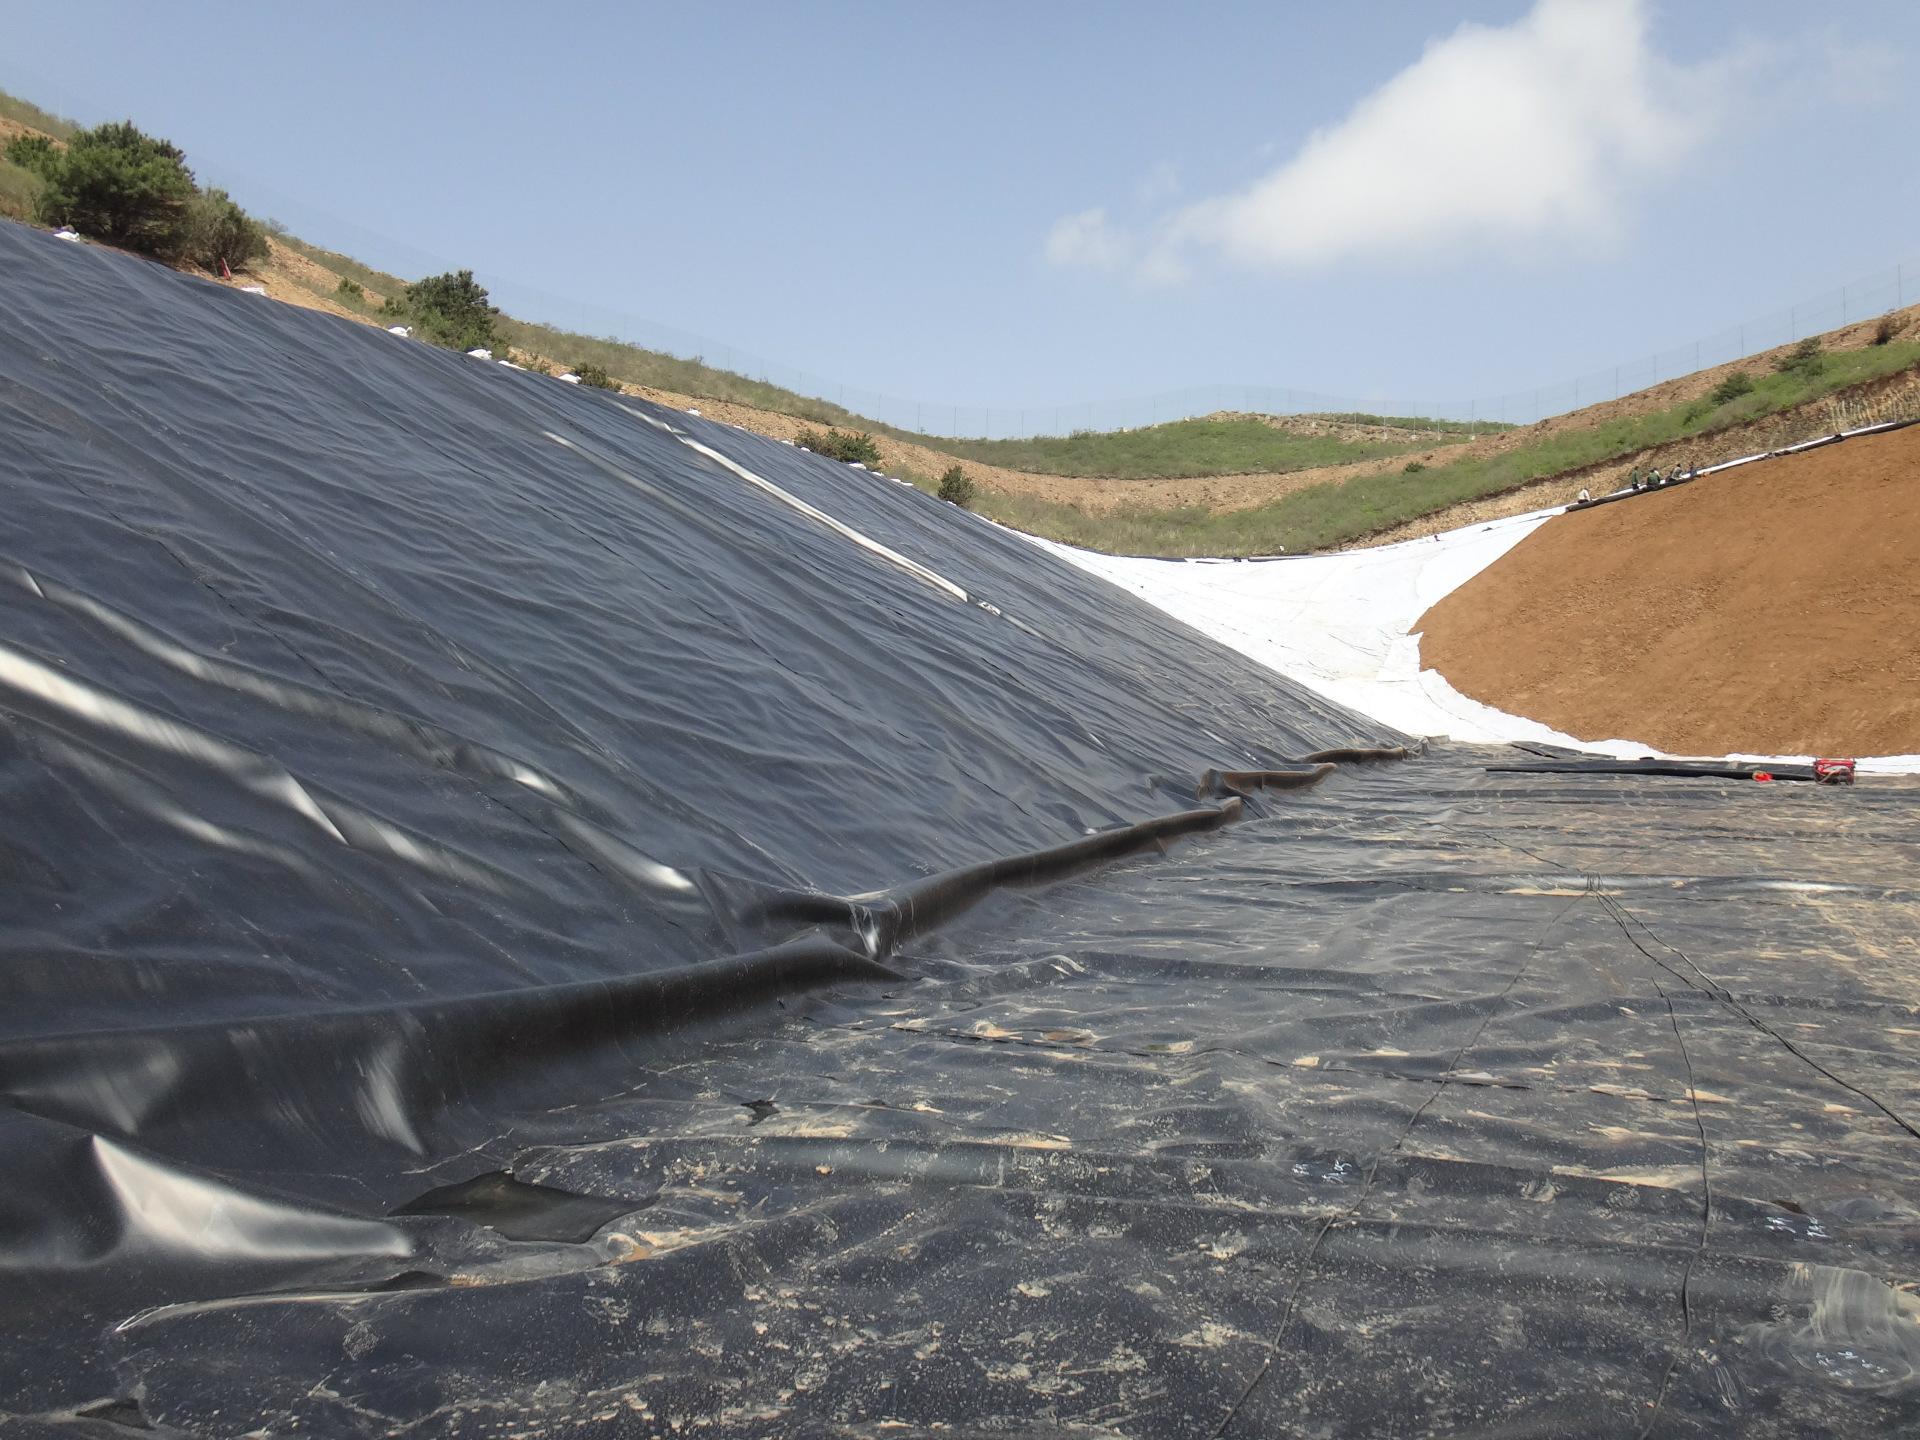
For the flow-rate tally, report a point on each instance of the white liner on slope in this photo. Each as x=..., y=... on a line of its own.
x=1341, y=624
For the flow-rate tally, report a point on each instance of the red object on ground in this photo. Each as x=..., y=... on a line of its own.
x=1761, y=775
x=1833, y=772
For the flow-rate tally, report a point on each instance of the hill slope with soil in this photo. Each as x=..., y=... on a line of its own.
x=1774, y=609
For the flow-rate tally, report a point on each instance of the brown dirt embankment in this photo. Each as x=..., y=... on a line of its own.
x=1774, y=609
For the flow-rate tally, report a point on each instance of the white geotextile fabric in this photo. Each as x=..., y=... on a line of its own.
x=1340, y=624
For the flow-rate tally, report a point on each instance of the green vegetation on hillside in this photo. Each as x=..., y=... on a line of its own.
x=220, y=236
x=118, y=184
x=854, y=447
x=25, y=112
x=32, y=152
x=1417, y=422
x=614, y=358
x=657, y=371
x=452, y=310
x=1323, y=516
x=1181, y=447
x=956, y=488
x=345, y=266
x=19, y=191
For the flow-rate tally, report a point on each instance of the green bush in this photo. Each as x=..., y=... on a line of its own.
x=1732, y=388
x=351, y=290
x=220, y=235
x=33, y=152
x=1412, y=467
x=596, y=376
x=451, y=310
x=956, y=488
x=1883, y=333
x=1804, y=359
x=117, y=184
x=854, y=448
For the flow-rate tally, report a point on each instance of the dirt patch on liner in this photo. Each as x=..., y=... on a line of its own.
x=1774, y=610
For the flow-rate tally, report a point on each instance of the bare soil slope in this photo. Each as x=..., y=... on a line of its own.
x=1772, y=610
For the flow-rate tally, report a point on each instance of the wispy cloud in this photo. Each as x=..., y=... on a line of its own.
x=1089, y=240
x=1539, y=132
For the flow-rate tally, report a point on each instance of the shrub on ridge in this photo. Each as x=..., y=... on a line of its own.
x=849, y=446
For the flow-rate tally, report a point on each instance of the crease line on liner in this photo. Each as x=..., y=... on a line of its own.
x=812, y=512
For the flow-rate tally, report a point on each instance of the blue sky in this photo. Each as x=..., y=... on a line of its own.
x=1019, y=206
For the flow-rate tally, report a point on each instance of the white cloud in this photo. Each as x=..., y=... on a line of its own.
x=1533, y=133
x=1089, y=241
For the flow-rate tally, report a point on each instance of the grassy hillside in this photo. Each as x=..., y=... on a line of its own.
x=18, y=190
x=1181, y=448
x=1324, y=516
x=19, y=187
x=379, y=282
x=25, y=112
x=622, y=361
x=658, y=371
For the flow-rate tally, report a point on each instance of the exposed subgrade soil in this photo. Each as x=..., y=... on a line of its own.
x=1773, y=609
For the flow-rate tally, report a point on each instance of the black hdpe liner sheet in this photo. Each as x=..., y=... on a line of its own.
x=503, y=936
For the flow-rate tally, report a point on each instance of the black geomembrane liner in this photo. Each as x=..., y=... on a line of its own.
x=509, y=928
